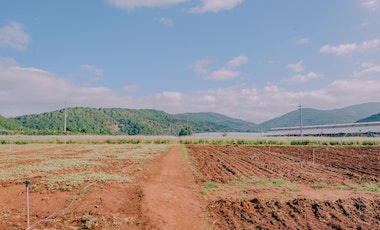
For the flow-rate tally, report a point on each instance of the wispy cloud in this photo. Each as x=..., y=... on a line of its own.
x=201, y=66
x=216, y=5
x=7, y=62
x=368, y=68
x=131, y=4
x=32, y=90
x=229, y=71
x=297, y=67
x=370, y=4
x=205, y=6
x=302, y=78
x=223, y=74
x=348, y=48
x=130, y=88
x=166, y=21
x=303, y=41
x=13, y=35
x=237, y=61
x=93, y=69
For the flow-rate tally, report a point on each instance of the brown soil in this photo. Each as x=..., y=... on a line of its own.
x=163, y=194
x=247, y=196
x=266, y=187
x=171, y=196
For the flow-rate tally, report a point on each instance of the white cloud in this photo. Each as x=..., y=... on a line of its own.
x=344, y=49
x=166, y=21
x=225, y=73
x=131, y=4
x=340, y=49
x=237, y=61
x=32, y=90
x=297, y=67
x=370, y=4
x=130, y=88
x=201, y=66
x=302, y=78
x=93, y=69
x=303, y=41
x=215, y=6
x=368, y=69
x=13, y=35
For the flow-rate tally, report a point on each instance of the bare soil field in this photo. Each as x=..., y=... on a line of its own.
x=75, y=186
x=160, y=186
x=275, y=187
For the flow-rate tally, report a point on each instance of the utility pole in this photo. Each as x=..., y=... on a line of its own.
x=64, y=126
x=27, y=183
x=300, y=106
x=187, y=125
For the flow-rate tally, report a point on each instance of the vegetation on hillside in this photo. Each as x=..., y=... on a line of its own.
x=117, y=121
x=109, y=121
x=373, y=118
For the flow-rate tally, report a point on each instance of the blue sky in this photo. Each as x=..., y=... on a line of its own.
x=248, y=59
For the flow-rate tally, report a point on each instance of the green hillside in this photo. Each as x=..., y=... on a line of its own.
x=214, y=122
x=7, y=126
x=128, y=122
x=117, y=121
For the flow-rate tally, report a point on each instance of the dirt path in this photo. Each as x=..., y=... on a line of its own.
x=171, y=194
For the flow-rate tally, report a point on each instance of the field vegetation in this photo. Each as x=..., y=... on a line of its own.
x=96, y=182
x=255, y=141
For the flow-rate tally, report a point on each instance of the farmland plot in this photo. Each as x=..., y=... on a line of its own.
x=148, y=186
x=277, y=187
x=74, y=186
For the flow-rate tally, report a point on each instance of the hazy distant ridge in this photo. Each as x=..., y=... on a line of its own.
x=310, y=116
x=154, y=122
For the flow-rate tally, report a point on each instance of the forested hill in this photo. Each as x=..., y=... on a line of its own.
x=9, y=124
x=126, y=122
x=373, y=118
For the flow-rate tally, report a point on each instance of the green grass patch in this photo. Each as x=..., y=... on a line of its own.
x=243, y=184
x=320, y=185
x=373, y=187
x=208, y=186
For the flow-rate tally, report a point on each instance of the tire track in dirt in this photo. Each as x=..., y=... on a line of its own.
x=171, y=195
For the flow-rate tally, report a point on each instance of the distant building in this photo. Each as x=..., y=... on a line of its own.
x=349, y=129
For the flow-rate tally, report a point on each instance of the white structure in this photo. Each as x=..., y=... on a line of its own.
x=333, y=129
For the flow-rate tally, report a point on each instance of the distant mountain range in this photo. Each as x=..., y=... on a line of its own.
x=154, y=122
x=310, y=116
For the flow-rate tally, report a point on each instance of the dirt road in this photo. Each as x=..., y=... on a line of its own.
x=171, y=195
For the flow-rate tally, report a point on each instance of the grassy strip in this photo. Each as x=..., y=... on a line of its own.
x=263, y=182
x=286, y=142
x=243, y=184
x=208, y=186
x=67, y=182
x=83, y=139
x=189, y=161
x=368, y=186
x=74, y=157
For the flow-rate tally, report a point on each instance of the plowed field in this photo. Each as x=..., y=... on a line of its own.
x=290, y=187
x=152, y=186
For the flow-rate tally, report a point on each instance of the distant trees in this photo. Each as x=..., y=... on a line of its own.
x=118, y=121
x=186, y=131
